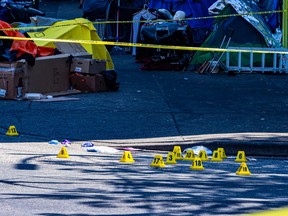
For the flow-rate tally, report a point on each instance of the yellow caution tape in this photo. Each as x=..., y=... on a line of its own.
x=155, y=46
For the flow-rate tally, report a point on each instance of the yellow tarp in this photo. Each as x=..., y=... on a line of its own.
x=77, y=29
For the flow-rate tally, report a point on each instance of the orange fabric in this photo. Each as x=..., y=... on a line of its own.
x=25, y=46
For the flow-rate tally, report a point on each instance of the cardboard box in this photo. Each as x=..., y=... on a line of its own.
x=49, y=74
x=88, y=83
x=11, y=79
x=88, y=66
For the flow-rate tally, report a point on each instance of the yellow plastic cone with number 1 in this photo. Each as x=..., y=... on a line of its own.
x=127, y=157
x=158, y=162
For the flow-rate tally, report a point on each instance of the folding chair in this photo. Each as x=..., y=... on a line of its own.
x=216, y=60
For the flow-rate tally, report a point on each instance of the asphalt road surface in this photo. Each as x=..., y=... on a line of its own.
x=35, y=182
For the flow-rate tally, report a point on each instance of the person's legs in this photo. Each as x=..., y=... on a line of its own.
x=81, y=4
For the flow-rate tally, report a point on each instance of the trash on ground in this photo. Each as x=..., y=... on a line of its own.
x=197, y=149
x=102, y=149
x=129, y=149
x=53, y=142
x=66, y=143
x=87, y=144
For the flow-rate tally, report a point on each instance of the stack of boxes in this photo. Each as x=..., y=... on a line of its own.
x=85, y=75
x=52, y=74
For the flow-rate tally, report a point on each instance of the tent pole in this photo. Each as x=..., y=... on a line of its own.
x=117, y=49
x=285, y=24
x=118, y=17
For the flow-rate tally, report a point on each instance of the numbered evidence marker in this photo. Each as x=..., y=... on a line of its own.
x=216, y=156
x=127, y=157
x=203, y=155
x=171, y=158
x=63, y=153
x=12, y=131
x=189, y=155
x=241, y=157
x=178, y=153
x=222, y=153
x=243, y=170
x=158, y=162
x=197, y=164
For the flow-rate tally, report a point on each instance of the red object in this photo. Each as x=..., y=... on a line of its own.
x=24, y=46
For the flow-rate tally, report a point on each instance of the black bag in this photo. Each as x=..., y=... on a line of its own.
x=158, y=32
x=110, y=77
x=167, y=33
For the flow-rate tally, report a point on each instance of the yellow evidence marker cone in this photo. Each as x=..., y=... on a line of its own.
x=158, y=162
x=216, y=156
x=12, y=131
x=203, y=155
x=243, y=170
x=171, y=158
x=189, y=155
x=222, y=153
x=178, y=153
x=63, y=153
x=197, y=164
x=240, y=157
x=127, y=157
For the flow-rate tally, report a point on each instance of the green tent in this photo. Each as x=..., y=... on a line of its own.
x=243, y=30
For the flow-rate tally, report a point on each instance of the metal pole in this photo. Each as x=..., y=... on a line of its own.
x=36, y=4
x=285, y=24
x=117, y=25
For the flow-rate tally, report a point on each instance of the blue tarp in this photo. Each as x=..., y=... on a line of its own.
x=273, y=19
x=193, y=9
